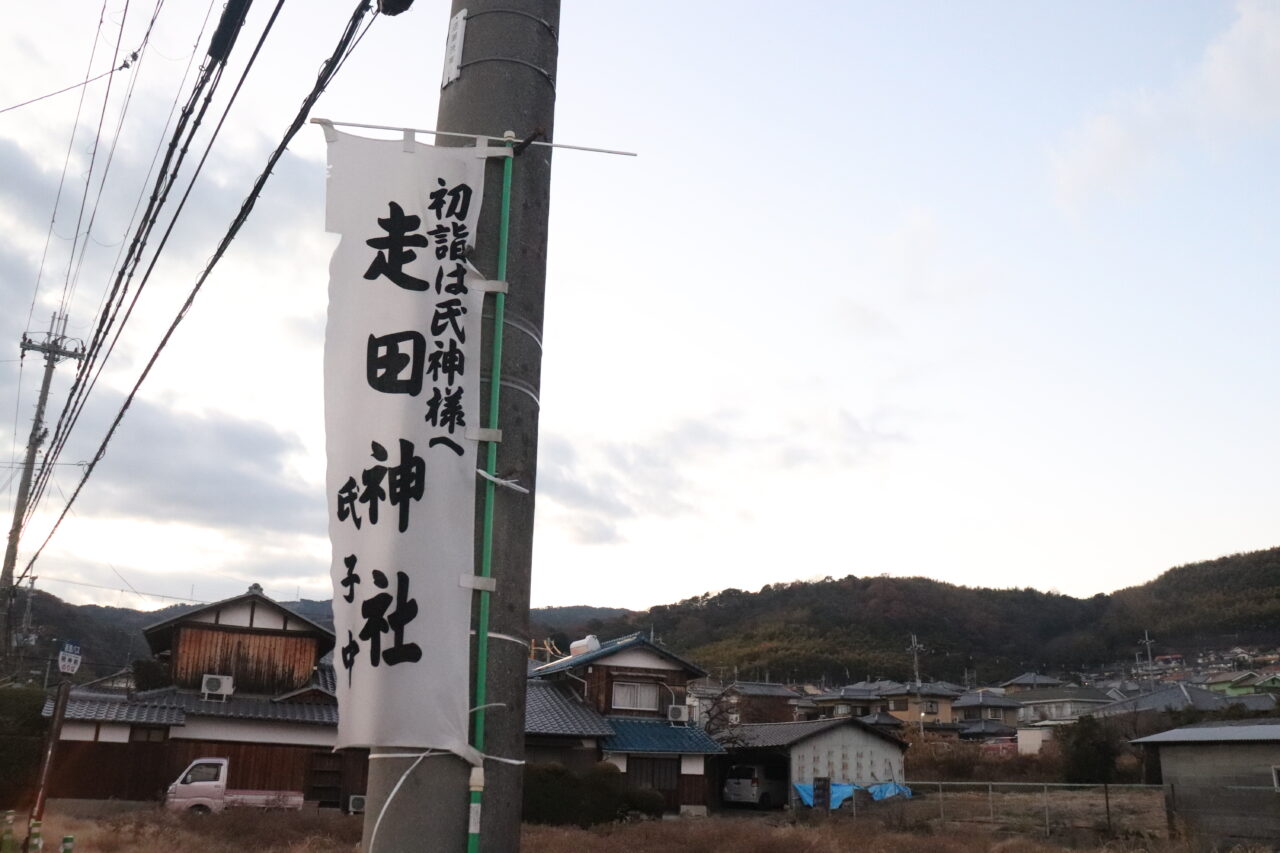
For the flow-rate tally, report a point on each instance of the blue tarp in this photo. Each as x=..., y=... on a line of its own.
x=885, y=790
x=840, y=793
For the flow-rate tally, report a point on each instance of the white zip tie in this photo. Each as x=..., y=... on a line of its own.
x=513, y=761
x=507, y=637
x=513, y=485
x=395, y=790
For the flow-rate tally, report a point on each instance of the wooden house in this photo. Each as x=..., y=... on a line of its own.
x=639, y=689
x=247, y=682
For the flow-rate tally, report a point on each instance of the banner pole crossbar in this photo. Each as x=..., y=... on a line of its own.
x=332, y=123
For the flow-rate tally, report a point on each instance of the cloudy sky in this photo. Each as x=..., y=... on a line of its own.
x=985, y=292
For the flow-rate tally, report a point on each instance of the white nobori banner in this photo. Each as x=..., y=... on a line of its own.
x=402, y=370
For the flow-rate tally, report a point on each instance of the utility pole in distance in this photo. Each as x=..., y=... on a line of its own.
x=54, y=349
x=506, y=83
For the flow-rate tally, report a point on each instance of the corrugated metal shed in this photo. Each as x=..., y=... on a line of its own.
x=1223, y=732
x=762, y=735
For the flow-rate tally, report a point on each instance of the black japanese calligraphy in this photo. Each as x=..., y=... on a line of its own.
x=397, y=485
x=394, y=251
x=391, y=371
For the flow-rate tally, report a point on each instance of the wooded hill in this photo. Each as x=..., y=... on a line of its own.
x=850, y=628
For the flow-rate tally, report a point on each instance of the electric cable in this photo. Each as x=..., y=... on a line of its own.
x=88, y=178
x=57, y=197
x=121, y=67
x=172, y=223
x=327, y=71
x=206, y=84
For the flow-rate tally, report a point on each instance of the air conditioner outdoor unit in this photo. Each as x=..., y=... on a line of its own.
x=678, y=713
x=355, y=804
x=216, y=685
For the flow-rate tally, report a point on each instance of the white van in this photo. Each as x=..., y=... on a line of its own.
x=761, y=785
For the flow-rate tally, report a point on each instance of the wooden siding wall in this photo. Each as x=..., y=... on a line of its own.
x=142, y=771
x=258, y=661
x=600, y=687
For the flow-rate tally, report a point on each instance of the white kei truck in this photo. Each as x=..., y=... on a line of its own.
x=202, y=789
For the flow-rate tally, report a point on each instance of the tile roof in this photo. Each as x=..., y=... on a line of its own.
x=760, y=735
x=985, y=699
x=552, y=709
x=610, y=647
x=762, y=688
x=1169, y=699
x=1060, y=694
x=637, y=735
x=881, y=718
x=940, y=689
x=1032, y=679
x=114, y=708
x=988, y=727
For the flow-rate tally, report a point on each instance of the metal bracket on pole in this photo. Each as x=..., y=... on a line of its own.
x=483, y=434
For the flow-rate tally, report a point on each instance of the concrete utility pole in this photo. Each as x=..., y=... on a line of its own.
x=507, y=83
x=54, y=349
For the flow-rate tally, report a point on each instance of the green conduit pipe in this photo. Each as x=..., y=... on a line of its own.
x=490, y=467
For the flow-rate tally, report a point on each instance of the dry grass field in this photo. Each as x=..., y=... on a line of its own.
x=297, y=832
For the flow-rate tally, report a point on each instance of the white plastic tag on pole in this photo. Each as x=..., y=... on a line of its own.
x=402, y=370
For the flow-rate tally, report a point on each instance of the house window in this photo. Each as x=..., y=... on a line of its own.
x=995, y=714
x=630, y=696
x=930, y=706
x=842, y=710
x=897, y=704
x=972, y=713
x=734, y=718
x=149, y=734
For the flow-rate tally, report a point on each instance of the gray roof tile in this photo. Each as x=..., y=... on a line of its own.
x=552, y=709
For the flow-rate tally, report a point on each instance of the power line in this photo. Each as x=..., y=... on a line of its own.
x=66, y=161
x=88, y=178
x=120, y=67
x=206, y=84
x=45, y=577
x=330, y=67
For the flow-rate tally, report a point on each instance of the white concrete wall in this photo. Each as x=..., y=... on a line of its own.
x=641, y=658
x=846, y=755
x=104, y=732
x=1031, y=741
x=256, y=731
x=692, y=765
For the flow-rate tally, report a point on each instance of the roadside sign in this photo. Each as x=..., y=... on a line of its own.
x=69, y=658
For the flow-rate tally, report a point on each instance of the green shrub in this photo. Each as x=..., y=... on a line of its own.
x=555, y=795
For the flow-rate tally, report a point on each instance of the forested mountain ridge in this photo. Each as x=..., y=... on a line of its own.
x=861, y=626
x=850, y=628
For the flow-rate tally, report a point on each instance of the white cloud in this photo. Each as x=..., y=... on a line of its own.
x=1234, y=85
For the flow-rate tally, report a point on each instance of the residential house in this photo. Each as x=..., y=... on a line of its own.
x=844, y=750
x=639, y=688
x=1030, y=681
x=853, y=700
x=1180, y=697
x=247, y=683
x=1231, y=683
x=1221, y=779
x=761, y=702
x=986, y=715
x=921, y=702
x=1058, y=704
